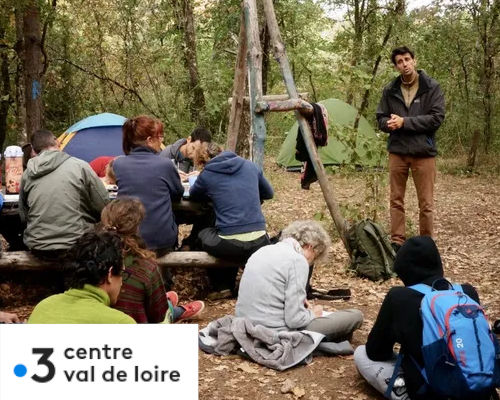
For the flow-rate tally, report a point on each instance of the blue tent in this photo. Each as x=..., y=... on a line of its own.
x=95, y=136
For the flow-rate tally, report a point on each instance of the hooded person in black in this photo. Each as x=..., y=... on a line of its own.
x=399, y=321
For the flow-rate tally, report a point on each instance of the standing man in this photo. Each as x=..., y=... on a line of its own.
x=411, y=110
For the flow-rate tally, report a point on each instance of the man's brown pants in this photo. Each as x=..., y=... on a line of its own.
x=423, y=171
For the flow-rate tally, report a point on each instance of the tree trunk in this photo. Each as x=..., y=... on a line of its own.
x=237, y=102
x=22, y=136
x=185, y=22
x=5, y=98
x=471, y=159
x=265, y=57
x=32, y=68
x=357, y=45
x=396, y=13
x=486, y=15
x=489, y=77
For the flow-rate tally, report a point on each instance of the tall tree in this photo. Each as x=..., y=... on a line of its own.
x=393, y=17
x=185, y=23
x=485, y=14
x=22, y=135
x=33, y=67
x=5, y=95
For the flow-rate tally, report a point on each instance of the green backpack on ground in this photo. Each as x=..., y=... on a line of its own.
x=372, y=255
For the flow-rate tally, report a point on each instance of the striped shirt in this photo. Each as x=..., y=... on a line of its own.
x=143, y=295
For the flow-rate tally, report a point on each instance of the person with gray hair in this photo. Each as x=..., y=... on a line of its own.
x=272, y=290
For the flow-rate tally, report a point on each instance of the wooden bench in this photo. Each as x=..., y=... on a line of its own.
x=25, y=261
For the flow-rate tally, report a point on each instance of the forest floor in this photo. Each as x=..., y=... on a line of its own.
x=467, y=231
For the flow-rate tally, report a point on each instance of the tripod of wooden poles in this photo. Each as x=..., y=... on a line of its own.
x=249, y=64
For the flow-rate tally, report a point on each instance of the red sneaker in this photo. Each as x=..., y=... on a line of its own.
x=173, y=297
x=192, y=310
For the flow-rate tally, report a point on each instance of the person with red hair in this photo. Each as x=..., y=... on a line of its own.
x=153, y=180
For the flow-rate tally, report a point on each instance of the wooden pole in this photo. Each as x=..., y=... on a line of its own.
x=302, y=106
x=281, y=58
x=254, y=61
x=273, y=97
x=237, y=102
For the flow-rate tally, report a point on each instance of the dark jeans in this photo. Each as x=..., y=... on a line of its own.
x=62, y=257
x=200, y=222
x=11, y=228
x=229, y=249
x=168, y=279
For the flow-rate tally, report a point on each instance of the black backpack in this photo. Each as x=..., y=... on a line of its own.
x=372, y=255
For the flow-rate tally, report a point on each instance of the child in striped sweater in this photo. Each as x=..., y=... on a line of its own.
x=143, y=295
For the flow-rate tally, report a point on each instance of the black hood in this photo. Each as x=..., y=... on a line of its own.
x=418, y=261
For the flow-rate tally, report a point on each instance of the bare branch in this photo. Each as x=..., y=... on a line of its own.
x=48, y=21
x=113, y=81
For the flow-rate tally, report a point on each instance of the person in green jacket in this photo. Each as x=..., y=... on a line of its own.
x=97, y=279
x=60, y=198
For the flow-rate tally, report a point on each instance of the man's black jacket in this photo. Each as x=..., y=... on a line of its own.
x=421, y=120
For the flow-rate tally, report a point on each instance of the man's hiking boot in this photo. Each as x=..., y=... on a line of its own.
x=192, y=310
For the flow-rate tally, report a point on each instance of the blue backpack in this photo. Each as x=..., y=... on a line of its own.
x=461, y=354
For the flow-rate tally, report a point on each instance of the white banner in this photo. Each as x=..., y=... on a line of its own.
x=92, y=362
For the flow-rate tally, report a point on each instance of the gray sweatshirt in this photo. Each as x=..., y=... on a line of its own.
x=61, y=198
x=273, y=287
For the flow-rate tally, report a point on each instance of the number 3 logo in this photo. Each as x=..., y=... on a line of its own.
x=44, y=360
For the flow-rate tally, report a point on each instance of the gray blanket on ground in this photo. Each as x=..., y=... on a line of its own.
x=274, y=349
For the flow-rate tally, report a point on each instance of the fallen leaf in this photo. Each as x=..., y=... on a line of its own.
x=287, y=386
x=246, y=367
x=298, y=392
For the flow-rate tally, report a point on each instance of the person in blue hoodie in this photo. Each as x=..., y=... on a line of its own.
x=236, y=187
x=152, y=179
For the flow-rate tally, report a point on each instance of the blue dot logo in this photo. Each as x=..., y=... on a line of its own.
x=20, y=370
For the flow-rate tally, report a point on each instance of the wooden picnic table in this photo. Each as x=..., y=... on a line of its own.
x=11, y=227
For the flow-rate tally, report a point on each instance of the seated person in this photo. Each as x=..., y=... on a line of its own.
x=143, y=295
x=152, y=179
x=399, y=321
x=97, y=280
x=61, y=197
x=8, y=318
x=182, y=152
x=236, y=187
x=100, y=164
x=272, y=290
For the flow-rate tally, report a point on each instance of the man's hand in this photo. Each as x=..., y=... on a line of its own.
x=194, y=173
x=395, y=122
x=8, y=318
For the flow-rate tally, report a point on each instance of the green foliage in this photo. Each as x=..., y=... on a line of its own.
x=126, y=56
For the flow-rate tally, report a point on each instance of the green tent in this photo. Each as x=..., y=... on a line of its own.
x=341, y=140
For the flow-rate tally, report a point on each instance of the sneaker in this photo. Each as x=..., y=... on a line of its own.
x=173, y=298
x=223, y=294
x=192, y=310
